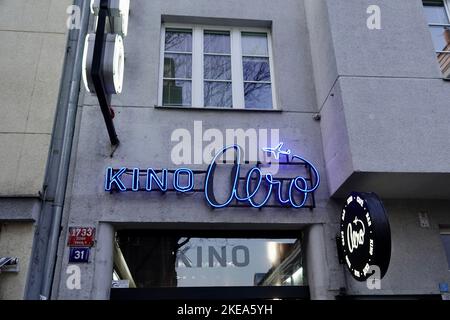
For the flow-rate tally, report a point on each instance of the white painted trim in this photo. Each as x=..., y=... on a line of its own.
x=178, y=52
x=272, y=72
x=237, y=73
x=161, y=65
x=197, y=67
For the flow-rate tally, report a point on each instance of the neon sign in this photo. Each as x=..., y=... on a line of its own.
x=243, y=190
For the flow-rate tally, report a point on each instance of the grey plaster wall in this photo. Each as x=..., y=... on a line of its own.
x=385, y=109
x=418, y=261
x=402, y=48
x=322, y=48
x=391, y=137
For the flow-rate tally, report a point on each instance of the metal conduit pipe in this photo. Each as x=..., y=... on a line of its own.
x=65, y=138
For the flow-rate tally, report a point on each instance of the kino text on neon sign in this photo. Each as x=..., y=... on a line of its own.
x=256, y=182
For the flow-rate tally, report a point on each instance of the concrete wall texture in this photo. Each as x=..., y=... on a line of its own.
x=32, y=50
x=16, y=240
x=384, y=128
x=33, y=40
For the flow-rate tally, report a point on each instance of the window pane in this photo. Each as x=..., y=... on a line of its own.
x=218, y=94
x=178, y=40
x=258, y=95
x=177, y=93
x=441, y=38
x=436, y=13
x=217, y=68
x=256, y=69
x=254, y=44
x=217, y=42
x=175, y=261
x=446, y=241
x=177, y=66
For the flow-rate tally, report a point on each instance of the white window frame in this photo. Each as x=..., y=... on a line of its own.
x=447, y=10
x=237, y=74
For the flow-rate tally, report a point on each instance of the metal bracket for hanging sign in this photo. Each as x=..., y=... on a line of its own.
x=339, y=250
x=104, y=99
x=9, y=264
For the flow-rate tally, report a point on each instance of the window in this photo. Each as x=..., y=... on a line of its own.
x=220, y=67
x=177, y=74
x=170, y=259
x=217, y=69
x=256, y=66
x=445, y=237
x=437, y=15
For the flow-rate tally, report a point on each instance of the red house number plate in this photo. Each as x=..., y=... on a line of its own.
x=81, y=237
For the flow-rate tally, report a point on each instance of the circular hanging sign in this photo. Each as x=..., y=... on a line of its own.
x=365, y=235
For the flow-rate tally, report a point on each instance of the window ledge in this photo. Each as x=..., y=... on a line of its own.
x=215, y=109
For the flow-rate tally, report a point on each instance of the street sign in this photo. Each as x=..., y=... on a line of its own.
x=79, y=255
x=81, y=237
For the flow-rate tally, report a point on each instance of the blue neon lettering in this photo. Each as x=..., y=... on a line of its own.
x=176, y=180
x=152, y=176
x=112, y=177
x=247, y=188
x=253, y=185
x=209, y=193
x=135, y=182
x=304, y=194
x=316, y=176
x=304, y=190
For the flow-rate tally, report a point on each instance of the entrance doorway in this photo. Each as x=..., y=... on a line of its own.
x=210, y=265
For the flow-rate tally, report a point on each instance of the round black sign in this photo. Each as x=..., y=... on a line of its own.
x=365, y=235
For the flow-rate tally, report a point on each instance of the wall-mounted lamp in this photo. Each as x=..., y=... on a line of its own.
x=103, y=56
x=113, y=63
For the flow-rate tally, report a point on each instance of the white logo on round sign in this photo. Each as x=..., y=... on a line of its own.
x=355, y=238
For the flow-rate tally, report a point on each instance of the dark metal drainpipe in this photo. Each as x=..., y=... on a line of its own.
x=45, y=246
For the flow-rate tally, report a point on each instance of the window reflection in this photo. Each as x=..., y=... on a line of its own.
x=254, y=44
x=217, y=68
x=218, y=94
x=217, y=88
x=217, y=42
x=177, y=66
x=258, y=95
x=205, y=262
x=256, y=69
x=178, y=40
x=177, y=93
x=177, y=73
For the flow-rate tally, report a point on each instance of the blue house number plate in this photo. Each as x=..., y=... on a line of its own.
x=79, y=255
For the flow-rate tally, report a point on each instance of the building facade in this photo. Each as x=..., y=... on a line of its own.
x=33, y=38
x=366, y=106
x=350, y=91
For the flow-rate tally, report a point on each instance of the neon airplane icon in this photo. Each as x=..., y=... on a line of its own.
x=277, y=151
